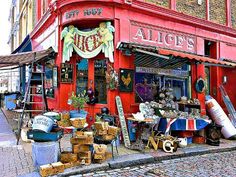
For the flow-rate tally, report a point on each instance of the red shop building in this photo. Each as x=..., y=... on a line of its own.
x=142, y=42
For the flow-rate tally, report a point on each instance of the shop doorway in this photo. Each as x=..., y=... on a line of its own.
x=91, y=76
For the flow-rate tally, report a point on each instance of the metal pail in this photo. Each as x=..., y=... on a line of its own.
x=42, y=123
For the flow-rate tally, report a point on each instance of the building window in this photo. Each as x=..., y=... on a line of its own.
x=82, y=76
x=100, y=90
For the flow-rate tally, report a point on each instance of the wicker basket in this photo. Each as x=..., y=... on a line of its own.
x=78, y=122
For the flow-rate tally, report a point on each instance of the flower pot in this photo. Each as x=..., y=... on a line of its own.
x=78, y=114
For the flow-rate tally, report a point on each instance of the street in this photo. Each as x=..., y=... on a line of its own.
x=209, y=165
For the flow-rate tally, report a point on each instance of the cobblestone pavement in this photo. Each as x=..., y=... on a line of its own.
x=15, y=161
x=209, y=165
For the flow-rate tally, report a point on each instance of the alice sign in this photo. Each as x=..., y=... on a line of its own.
x=88, y=44
x=157, y=36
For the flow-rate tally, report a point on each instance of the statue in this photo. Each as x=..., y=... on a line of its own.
x=106, y=30
x=68, y=33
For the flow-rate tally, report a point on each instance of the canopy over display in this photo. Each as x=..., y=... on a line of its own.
x=166, y=58
x=19, y=59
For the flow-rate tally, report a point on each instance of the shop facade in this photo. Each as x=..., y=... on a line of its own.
x=152, y=45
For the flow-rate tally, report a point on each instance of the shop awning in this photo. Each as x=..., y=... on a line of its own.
x=25, y=46
x=201, y=59
x=19, y=59
x=147, y=56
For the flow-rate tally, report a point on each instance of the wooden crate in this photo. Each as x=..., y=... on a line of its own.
x=98, y=160
x=81, y=140
x=99, y=156
x=58, y=167
x=86, y=154
x=68, y=165
x=67, y=157
x=85, y=161
x=101, y=132
x=108, y=137
x=108, y=155
x=112, y=130
x=100, y=148
x=46, y=170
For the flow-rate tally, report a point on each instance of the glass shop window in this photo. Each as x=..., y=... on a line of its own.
x=82, y=76
x=49, y=90
x=100, y=90
x=146, y=87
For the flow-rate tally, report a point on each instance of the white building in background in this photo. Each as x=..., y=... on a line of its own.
x=9, y=80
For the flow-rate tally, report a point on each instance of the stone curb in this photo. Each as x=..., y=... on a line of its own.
x=138, y=159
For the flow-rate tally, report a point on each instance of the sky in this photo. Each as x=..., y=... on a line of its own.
x=4, y=26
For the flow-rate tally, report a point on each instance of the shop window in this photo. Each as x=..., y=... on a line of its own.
x=148, y=85
x=100, y=90
x=82, y=76
x=49, y=90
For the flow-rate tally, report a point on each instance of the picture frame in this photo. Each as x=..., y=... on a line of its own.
x=66, y=74
x=126, y=80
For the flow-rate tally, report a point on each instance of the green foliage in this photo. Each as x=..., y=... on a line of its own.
x=78, y=101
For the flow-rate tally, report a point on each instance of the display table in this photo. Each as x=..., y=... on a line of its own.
x=182, y=124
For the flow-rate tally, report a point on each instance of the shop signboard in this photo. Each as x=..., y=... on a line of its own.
x=157, y=36
x=166, y=72
x=88, y=44
x=66, y=73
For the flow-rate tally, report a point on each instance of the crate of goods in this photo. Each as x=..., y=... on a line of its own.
x=85, y=161
x=51, y=169
x=112, y=130
x=81, y=133
x=108, y=155
x=58, y=167
x=108, y=137
x=101, y=132
x=99, y=156
x=67, y=157
x=83, y=155
x=100, y=148
x=78, y=122
x=46, y=170
x=82, y=140
x=82, y=148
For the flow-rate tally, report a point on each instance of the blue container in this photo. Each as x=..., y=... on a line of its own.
x=10, y=101
x=45, y=153
x=76, y=114
x=189, y=140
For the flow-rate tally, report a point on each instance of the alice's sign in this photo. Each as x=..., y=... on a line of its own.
x=157, y=36
x=88, y=44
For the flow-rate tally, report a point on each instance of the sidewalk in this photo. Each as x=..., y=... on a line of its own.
x=17, y=160
x=7, y=136
x=14, y=159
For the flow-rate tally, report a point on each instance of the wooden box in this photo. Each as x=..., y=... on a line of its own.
x=101, y=132
x=58, y=167
x=108, y=155
x=112, y=130
x=46, y=170
x=67, y=157
x=80, y=148
x=108, y=137
x=99, y=156
x=82, y=155
x=98, y=160
x=68, y=165
x=100, y=149
x=85, y=161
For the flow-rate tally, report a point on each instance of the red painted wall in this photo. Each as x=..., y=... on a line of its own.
x=121, y=14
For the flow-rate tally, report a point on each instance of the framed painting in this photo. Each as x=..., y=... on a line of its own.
x=126, y=80
x=66, y=73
